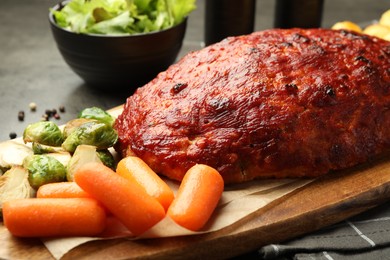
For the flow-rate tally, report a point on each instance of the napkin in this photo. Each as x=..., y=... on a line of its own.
x=365, y=236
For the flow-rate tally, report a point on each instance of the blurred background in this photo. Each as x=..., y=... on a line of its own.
x=32, y=69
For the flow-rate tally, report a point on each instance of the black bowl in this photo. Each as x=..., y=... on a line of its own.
x=114, y=62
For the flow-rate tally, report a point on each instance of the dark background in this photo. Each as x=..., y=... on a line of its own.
x=32, y=70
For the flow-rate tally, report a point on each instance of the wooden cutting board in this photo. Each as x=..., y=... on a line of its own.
x=325, y=201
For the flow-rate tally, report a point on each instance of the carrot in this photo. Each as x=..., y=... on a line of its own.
x=127, y=201
x=136, y=170
x=197, y=197
x=48, y=217
x=61, y=190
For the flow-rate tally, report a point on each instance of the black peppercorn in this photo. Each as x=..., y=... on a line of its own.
x=48, y=112
x=12, y=135
x=62, y=109
x=21, y=115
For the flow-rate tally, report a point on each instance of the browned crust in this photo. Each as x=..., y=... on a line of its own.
x=277, y=103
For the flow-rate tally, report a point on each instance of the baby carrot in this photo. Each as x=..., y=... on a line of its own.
x=61, y=190
x=136, y=170
x=127, y=201
x=48, y=217
x=197, y=197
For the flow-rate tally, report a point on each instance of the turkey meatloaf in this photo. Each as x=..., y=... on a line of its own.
x=276, y=103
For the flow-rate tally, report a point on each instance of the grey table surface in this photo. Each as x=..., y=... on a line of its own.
x=32, y=69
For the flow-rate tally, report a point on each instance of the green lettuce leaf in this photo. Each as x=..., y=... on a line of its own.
x=116, y=25
x=180, y=9
x=122, y=16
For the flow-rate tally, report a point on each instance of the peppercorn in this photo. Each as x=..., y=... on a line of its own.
x=21, y=115
x=62, y=109
x=33, y=106
x=48, y=112
x=57, y=116
x=44, y=117
x=12, y=135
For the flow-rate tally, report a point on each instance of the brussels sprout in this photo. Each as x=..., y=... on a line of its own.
x=62, y=157
x=82, y=155
x=42, y=149
x=71, y=125
x=107, y=158
x=98, y=114
x=14, y=185
x=44, y=169
x=12, y=153
x=44, y=132
x=91, y=133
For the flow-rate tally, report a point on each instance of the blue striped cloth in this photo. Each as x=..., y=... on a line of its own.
x=365, y=236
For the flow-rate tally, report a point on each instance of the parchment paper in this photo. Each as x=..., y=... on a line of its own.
x=237, y=201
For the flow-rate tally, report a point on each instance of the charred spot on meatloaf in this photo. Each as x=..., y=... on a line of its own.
x=276, y=103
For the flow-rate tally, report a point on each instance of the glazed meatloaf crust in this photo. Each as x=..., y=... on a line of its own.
x=276, y=103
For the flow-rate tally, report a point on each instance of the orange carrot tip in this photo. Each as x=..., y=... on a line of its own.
x=61, y=190
x=127, y=201
x=197, y=197
x=54, y=217
x=136, y=170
